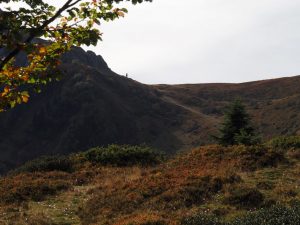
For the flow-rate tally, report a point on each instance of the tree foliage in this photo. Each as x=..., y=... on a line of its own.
x=236, y=127
x=76, y=22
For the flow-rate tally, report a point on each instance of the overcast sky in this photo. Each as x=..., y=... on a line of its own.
x=200, y=41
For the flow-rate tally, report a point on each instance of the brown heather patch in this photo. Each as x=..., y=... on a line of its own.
x=187, y=181
x=182, y=183
x=32, y=186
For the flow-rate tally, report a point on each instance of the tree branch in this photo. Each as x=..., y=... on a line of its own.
x=75, y=3
x=36, y=32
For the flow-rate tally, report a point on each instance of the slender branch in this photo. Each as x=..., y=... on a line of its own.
x=75, y=3
x=69, y=26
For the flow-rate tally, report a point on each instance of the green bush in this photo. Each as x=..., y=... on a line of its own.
x=123, y=155
x=285, y=142
x=47, y=164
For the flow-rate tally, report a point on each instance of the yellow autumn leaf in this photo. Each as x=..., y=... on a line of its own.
x=25, y=77
x=25, y=98
x=6, y=89
x=43, y=50
x=120, y=13
x=6, y=73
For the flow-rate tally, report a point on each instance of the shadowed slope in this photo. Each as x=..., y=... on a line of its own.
x=86, y=109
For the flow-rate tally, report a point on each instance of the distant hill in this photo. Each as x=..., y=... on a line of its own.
x=94, y=106
x=274, y=104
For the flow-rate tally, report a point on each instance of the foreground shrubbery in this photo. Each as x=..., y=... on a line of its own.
x=47, y=164
x=285, y=142
x=35, y=186
x=276, y=215
x=246, y=157
x=117, y=155
x=122, y=155
x=259, y=156
x=212, y=178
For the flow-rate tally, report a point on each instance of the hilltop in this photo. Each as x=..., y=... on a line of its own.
x=93, y=106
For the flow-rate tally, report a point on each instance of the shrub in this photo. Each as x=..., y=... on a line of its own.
x=276, y=215
x=123, y=155
x=244, y=197
x=47, y=164
x=285, y=142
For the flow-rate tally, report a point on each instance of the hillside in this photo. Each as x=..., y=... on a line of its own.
x=210, y=185
x=90, y=106
x=274, y=104
x=93, y=106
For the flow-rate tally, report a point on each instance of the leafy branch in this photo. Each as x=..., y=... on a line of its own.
x=74, y=23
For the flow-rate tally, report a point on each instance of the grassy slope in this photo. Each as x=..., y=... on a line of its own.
x=210, y=179
x=272, y=103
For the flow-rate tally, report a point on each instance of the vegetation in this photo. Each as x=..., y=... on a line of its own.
x=35, y=186
x=210, y=185
x=285, y=142
x=276, y=215
x=236, y=128
x=74, y=23
x=47, y=164
x=201, y=219
x=245, y=197
x=123, y=155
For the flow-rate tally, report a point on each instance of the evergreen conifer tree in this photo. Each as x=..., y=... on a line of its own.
x=236, y=127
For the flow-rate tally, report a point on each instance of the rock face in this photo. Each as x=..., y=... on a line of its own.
x=89, y=58
x=93, y=106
